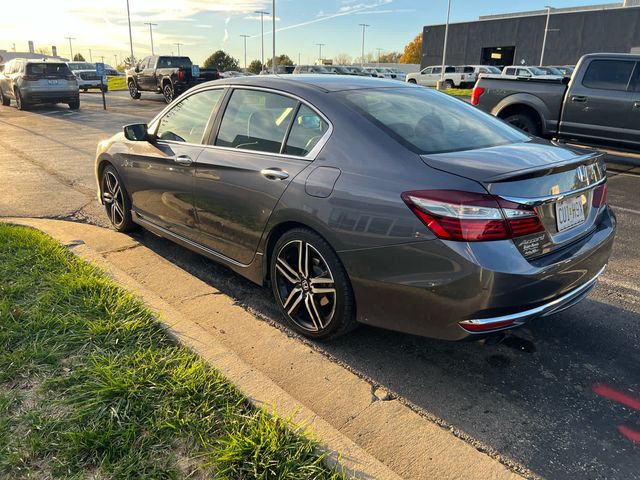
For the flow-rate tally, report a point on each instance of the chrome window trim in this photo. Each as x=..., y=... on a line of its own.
x=534, y=201
x=309, y=156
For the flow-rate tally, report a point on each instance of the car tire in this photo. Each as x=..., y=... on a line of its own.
x=133, y=90
x=20, y=103
x=74, y=104
x=412, y=80
x=311, y=287
x=5, y=100
x=448, y=84
x=524, y=122
x=85, y=90
x=167, y=92
x=116, y=200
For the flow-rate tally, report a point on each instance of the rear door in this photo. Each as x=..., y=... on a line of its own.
x=159, y=174
x=264, y=140
x=602, y=106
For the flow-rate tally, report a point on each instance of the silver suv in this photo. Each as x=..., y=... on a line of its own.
x=28, y=82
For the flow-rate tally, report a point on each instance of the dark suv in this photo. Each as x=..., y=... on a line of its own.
x=29, y=82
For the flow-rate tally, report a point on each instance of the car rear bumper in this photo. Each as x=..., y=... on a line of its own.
x=428, y=288
x=50, y=97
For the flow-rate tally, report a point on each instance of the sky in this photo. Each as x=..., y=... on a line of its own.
x=204, y=26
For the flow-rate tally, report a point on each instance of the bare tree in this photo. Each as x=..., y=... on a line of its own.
x=44, y=50
x=368, y=58
x=342, y=59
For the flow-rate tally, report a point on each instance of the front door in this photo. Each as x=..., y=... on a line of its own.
x=148, y=74
x=240, y=178
x=603, y=107
x=159, y=173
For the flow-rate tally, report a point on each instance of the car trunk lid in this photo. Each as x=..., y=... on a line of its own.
x=564, y=186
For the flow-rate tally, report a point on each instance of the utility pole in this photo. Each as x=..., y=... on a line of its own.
x=379, y=49
x=245, y=50
x=90, y=57
x=262, y=14
x=320, y=45
x=364, y=26
x=178, y=44
x=151, y=25
x=115, y=57
x=273, y=22
x=132, y=58
x=546, y=30
x=444, y=47
x=70, y=46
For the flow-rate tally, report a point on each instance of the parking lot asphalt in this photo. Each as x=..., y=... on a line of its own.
x=561, y=396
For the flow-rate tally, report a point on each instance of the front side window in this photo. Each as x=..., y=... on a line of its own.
x=187, y=121
x=511, y=71
x=429, y=122
x=436, y=70
x=256, y=120
x=608, y=74
x=307, y=130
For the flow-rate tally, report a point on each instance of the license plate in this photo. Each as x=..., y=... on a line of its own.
x=53, y=82
x=569, y=213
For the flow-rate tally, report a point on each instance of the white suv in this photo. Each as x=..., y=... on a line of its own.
x=429, y=77
x=87, y=76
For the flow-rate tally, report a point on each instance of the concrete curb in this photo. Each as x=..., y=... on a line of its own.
x=378, y=437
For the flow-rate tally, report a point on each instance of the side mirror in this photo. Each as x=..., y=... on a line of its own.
x=136, y=132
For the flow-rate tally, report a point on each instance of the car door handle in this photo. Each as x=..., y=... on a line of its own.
x=274, y=173
x=183, y=160
x=578, y=98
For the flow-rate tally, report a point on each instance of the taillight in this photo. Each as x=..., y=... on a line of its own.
x=475, y=95
x=471, y=217
x=461, y=77
x=599, y=196
x=483, y=326
x=180, y=75
x=30, y=78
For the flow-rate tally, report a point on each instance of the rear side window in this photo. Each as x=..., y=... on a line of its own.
x=450, y=70
x=187, y=121
x=307, y=130
x=428, y=122
x=256, y=120
x=48, y=69
x=608, y=74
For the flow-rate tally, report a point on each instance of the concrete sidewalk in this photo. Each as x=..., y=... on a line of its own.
x=378, y=436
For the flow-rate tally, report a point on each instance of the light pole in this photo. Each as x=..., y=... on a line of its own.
x=320, y=45
x=364, y=26
x=379, y=50
x=546, y=30
x=444, y=47
x=115, y=57
x=90, y=57
x=132, y=59
x=151, y=25
x=178, y=45
x=71, y=46
x=273, y=22
x=245, y=50
x=262, y=14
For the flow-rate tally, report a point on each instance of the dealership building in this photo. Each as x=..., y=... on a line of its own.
x=517, y=38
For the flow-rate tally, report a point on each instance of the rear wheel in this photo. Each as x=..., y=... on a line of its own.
x=5, y=100
x=74, y=104
x=311, y=286
x=20, y=103
x=133, y=90
x=167, y=91
x=524, y=122
x=116, y=200
x=412, y=80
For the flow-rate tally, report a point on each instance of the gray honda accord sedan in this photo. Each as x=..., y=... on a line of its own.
x=363, y=200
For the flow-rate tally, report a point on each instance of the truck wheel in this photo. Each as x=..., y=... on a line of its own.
x=525, y=123
x=167, y=91
x=412, y=80
x=5, y=101
x=133, y=90
x=448, y=84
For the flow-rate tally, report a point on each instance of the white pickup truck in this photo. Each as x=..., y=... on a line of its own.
x=453, y=77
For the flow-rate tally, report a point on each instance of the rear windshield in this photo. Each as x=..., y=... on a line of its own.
x=81, y=66
x=174, y=62
x=426, y=121
x=48, y=69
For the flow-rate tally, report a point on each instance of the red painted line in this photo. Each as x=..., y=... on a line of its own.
x=629, y=433
x=616, y=396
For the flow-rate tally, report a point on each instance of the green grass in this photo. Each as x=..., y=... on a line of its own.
x=459, y=92
x=92, y=387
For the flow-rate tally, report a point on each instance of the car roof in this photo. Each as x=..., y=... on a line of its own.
x=300, y=83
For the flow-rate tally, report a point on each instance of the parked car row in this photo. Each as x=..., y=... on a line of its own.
x=376, y=72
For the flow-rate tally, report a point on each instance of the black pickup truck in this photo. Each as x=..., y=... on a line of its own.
x=167, y=75
x=599, y=105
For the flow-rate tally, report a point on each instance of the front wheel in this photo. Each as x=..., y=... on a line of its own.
x=167, y=91
x=412, y=80
x=116, y=200
x=525, y=123
x=133, y=90
x=311, y=286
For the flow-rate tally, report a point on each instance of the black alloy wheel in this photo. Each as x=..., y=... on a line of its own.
x=311, y=286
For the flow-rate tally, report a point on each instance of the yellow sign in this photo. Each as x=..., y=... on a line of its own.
x=117, y=83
